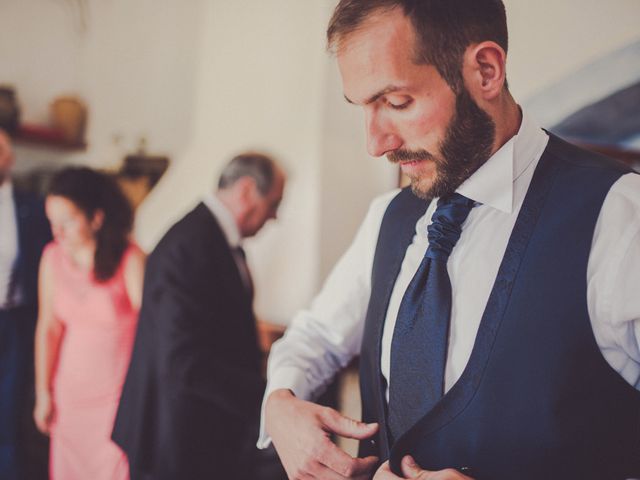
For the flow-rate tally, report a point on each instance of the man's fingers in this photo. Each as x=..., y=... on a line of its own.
x=301, y=432
x=410, y=468
x=317, y=470
x=347, y=427
x=364, y=467
x=384, y=472
x=342, y=463
x=326, y=473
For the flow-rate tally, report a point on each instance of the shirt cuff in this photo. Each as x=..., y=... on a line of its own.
x=290, y=378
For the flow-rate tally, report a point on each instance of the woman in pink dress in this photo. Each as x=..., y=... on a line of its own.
x=90, y=291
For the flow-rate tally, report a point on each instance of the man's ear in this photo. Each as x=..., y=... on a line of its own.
x=484, y=70
x=247, y=188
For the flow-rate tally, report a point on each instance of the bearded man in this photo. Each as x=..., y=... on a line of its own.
x=493, y=303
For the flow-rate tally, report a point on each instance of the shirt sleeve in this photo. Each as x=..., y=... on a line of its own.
x=324, y=338
x=613, y=276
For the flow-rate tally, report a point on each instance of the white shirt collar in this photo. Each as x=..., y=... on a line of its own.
x=492, y=183
x=225, y=219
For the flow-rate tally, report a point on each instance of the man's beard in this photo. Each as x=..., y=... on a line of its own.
x=466, y=147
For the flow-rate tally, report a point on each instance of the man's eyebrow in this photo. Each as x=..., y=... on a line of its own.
x=375, y=96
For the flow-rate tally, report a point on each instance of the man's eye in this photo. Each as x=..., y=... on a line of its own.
x=398, y=106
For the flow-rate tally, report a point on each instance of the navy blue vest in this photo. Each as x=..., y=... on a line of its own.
x=537, y=400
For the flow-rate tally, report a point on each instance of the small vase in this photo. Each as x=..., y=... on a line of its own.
x=69, y=116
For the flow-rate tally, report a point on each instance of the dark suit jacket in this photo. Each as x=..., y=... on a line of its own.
x=194, y=386
x=33, y=234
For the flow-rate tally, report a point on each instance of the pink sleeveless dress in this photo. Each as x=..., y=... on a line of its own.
x=99, y=328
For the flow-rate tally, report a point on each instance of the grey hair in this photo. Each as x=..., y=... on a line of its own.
x=258, y=166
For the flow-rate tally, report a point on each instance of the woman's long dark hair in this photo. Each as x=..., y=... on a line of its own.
x=91, y=191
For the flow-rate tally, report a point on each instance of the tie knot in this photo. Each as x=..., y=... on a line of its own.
x=446, y=225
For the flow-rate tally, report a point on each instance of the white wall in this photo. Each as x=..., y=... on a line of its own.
x=350, y=177
x=551, y=38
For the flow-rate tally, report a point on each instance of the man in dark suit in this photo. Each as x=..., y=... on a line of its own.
x=193, y=390
x=24, y=231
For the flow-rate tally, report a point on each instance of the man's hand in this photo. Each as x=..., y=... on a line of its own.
x=411, y=470
x=301, y=431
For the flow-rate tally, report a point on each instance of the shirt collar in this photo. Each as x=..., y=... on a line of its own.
x=492, y=183
x=225, y=219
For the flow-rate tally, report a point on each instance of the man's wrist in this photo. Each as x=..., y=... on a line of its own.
x=279, y=394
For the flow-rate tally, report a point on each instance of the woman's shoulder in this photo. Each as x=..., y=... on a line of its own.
x=54, y=260
x=51, y=251
x=133, y=250
x=133, y=256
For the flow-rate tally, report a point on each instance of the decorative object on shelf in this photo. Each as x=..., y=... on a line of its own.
x=69, y=116
x=140, y=172
x=9, y=110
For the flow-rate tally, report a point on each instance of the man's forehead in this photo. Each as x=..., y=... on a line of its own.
x=380, y=30
x=377, y=56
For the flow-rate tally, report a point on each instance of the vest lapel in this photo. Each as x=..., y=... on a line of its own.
x=395, y=236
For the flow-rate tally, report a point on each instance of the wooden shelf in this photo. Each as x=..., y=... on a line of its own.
x=45, y=137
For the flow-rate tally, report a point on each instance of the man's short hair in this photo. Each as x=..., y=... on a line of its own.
x=258, y=166
x=444, y=28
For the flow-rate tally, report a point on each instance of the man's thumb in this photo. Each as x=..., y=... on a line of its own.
x=410, y=468
x=347, y=427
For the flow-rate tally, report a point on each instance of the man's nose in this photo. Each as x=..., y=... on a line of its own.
x=381, y=137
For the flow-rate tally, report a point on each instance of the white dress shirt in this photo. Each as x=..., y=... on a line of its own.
x=224, y=219
x=232, y=234
x=324, y=338
x=8, y=239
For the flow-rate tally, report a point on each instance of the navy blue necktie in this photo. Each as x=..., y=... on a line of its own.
x=421, y=335
x=245, y=274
